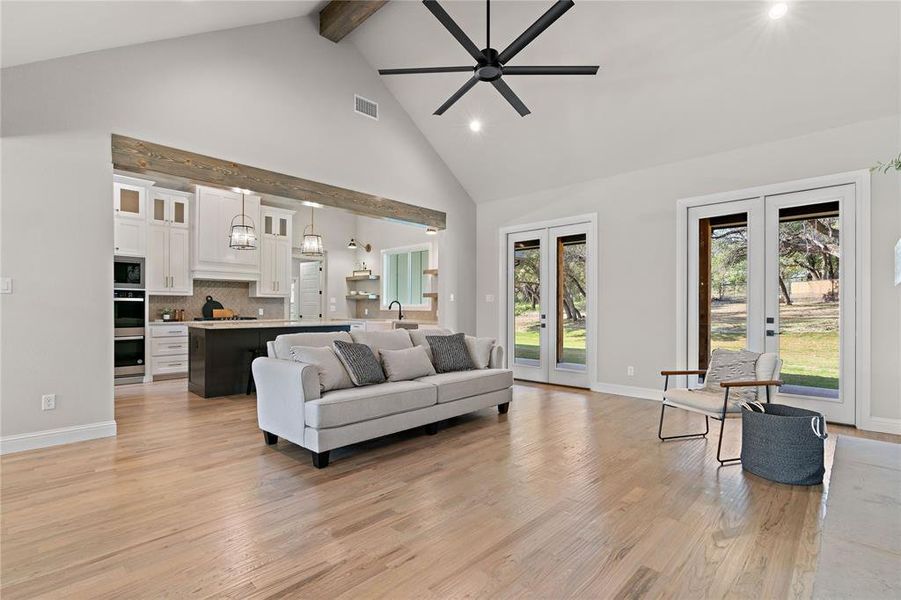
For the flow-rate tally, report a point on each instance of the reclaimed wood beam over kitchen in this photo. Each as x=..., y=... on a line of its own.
x=340, y=17
x=139, y=156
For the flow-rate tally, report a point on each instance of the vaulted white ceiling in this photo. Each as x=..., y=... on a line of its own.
x=677, y=80
x=33, y=31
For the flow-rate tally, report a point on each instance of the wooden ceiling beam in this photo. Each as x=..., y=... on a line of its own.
x=139, y=156
x=340, y=17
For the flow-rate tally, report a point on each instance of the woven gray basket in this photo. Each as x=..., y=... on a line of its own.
x=783, y=443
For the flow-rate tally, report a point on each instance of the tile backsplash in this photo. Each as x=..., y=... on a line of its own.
x=232, y=294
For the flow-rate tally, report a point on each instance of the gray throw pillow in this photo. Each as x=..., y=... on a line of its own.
x=732, y=365
x=480, y=350
x=361, y=364
x=449, y=353
x=332, y=374
x=406, y=364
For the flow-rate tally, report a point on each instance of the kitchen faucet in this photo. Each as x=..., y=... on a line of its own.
x=400, y=315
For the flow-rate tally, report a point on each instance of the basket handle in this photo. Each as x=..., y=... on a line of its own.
x=815, y=426
x=751, y=406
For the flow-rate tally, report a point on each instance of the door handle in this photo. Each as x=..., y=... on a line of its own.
x=771, y=333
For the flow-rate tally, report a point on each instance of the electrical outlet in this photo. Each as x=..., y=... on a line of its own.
x=451, y=297
x=366, y=312
x=630, y=371
x=48, y=402
x=333, y=308
x=489, y=297
x=261, y=312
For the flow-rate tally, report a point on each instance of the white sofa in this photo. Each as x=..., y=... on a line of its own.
x=290, y=405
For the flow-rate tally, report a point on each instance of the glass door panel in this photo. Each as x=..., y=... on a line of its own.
x=810, y=283
x=568, y=312
x=527, y=277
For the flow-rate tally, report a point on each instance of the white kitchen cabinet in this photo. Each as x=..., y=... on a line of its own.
x=275, y=253
x=129, y=215
x=168, y=350
x=168, y=250
x=212, y=257
x=169, y=207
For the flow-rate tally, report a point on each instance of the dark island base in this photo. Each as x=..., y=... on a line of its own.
x=219, y=359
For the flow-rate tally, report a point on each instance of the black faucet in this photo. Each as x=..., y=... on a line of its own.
x=400, y=315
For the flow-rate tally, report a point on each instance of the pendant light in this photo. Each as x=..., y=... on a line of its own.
x=243, y=235
x=312, y=242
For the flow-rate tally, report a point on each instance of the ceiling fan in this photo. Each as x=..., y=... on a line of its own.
x=491, y=65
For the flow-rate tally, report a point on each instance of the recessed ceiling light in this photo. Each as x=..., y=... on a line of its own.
x=475, y=126
x=778, y=10
x=311, y=204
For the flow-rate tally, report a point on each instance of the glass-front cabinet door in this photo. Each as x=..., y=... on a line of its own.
x=129, y=200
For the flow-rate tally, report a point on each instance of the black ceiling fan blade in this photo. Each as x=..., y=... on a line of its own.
x=535, y=29
x=453, y=28
x=512, y=98
x=425, y=70
x=551, y=70
x=457, y=95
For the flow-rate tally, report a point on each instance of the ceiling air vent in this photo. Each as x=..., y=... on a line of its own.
x=366, y=107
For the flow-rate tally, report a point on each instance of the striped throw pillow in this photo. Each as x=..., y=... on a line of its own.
x=450, y=353
x=361, y=364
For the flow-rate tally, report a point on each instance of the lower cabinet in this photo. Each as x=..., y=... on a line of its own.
x=169, y=350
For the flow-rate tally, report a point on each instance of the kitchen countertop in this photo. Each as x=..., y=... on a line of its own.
x=256, y=323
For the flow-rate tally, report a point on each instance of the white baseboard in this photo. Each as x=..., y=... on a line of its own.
x=880, y=424
x=628, y=390
x=55, y=437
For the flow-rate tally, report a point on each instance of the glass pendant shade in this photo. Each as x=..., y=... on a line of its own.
x=312, y=242
x=312, y=245
x=243, y=234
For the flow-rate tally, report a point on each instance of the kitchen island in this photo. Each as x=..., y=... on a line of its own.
x=220, y=352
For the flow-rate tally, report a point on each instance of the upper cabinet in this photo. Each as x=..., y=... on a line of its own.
x=168, y=248
x=130, y=210
x=275, y=253
x=214, y=211
x=169, y=207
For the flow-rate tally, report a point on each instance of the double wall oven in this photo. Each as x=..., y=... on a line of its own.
x=129, y=319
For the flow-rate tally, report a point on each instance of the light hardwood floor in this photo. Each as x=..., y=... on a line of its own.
x=568, y=495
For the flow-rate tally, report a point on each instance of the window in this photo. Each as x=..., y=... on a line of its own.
x=403, y=278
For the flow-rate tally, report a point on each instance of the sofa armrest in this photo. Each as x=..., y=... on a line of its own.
x=282, y=388
x=496, y=360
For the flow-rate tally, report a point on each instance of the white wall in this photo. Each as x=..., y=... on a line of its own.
x=637, y=231
x=276, y=96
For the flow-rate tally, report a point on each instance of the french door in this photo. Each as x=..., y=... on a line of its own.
x=548, y=283
x=776, y=273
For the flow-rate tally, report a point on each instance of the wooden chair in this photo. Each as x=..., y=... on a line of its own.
x=714, y=405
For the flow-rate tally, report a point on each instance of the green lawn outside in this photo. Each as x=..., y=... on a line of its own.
x=573, y=344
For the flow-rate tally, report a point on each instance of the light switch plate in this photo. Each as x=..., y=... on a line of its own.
x=451, y=297
x=489, y=297
x=6, y=285
x=261, y=312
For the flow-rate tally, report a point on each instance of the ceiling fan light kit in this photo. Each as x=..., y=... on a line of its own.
x=491, y=65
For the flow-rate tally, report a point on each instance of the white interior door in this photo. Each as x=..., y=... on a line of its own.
x=310, y=294
x=549, y=278
x=777, y=274
x=810, y=298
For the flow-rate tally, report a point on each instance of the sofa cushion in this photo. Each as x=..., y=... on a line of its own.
x=417, y=336
x=354, y=405
x=283, y=343
x=406, y=364
x=397, y=339
x=480, y=350
x=332, y=374
x=449, y=353
x=361, y=364
x=463, y=384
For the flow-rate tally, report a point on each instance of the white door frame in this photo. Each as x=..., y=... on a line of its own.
x=591, y=271
x=861, y=206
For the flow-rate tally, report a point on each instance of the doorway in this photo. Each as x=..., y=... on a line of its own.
x=307, y=282
x=548, y=308
x=778, y=273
